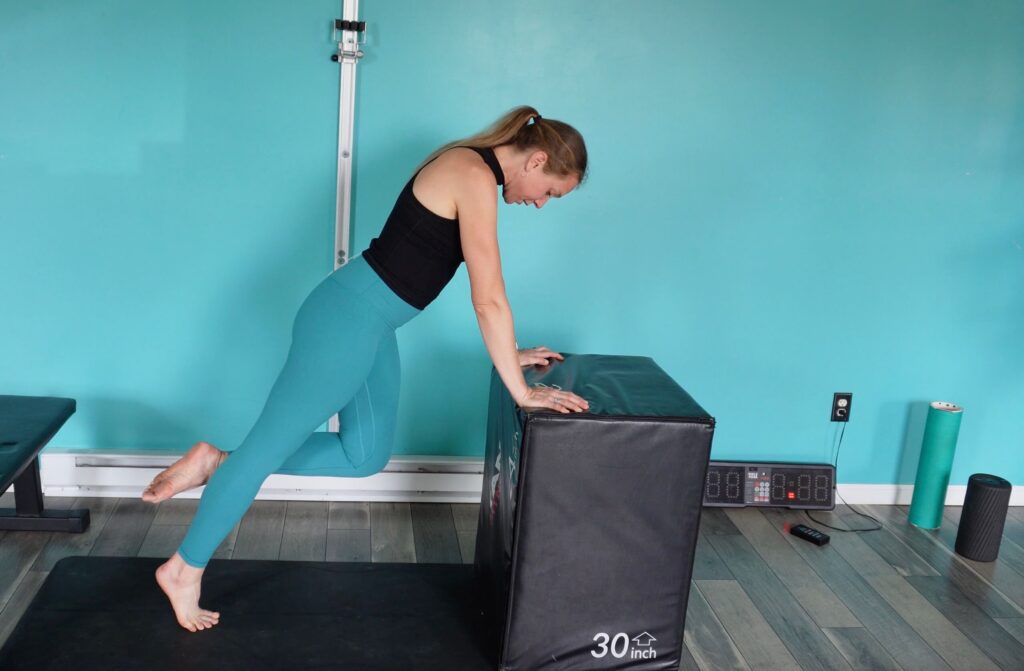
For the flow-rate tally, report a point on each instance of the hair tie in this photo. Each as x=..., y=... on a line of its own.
x=536, y=118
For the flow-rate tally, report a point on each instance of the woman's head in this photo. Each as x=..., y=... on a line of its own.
x=553, y=153
x=524, y=129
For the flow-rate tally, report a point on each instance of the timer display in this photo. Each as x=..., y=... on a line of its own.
x=724, y=485
x=770, y=484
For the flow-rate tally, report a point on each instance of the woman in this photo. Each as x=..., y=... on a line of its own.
x=344, y=353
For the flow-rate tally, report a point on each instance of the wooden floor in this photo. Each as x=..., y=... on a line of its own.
x=761, y=599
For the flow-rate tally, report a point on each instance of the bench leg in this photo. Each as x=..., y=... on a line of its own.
x=28, y=513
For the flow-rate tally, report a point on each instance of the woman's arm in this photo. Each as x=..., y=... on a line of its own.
x=477, y=209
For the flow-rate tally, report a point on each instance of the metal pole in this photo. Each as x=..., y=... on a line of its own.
x=348, y=57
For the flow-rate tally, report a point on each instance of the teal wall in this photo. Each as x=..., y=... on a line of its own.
x=787, y=199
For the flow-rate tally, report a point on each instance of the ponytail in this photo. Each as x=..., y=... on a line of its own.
x=567, y=154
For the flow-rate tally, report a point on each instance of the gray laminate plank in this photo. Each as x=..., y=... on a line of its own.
x=958, y=651
x=824, y=607
x=467, y=546
x=686, y=660
x=707, y=565
x=434, y=534
x=706, y=638
x=124, y=532
x=974, y=585
x=897, y=554
x=860, y=649
x=894, y=634
x=827, y=516
x=1014, y=625
x=391, y=536
x=805, y=641
x=162, y=540
x=1011, y=555
x=260, y=531
x=349, y=545
x=858, y=554
x=714, y=522
x=18, y=552
x=990, y=638
x=349, y=515
x=305, y=531
x=1000, y=576
x=755, y=639
x=19, y=602
x=1013, y=529
x=76, y=545
x=950, y=522
x=176, y=512
x=466, y=516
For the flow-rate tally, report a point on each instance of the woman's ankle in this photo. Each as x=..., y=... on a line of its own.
x=181, y=568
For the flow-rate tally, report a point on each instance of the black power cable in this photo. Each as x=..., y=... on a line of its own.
x=835, y=466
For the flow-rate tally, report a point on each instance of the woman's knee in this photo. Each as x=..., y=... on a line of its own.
x=375, y=462
x=370, y=450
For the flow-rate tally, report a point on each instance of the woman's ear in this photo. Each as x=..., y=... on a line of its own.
x=538, y=158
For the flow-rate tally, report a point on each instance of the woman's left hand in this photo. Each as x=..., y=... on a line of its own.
x=537, y=355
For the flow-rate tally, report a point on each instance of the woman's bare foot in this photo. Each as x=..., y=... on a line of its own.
x=181, y=582
x=192, y=470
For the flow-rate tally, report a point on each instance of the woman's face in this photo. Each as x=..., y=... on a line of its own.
x=535, y=187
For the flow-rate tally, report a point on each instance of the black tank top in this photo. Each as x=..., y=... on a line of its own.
x=418, y=251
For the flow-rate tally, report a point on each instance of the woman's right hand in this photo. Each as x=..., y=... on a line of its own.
x=554, y=399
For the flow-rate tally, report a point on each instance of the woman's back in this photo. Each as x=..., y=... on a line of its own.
x=419, y=249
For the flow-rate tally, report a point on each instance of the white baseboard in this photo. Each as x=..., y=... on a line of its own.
x=408, y=478
x=900, y=495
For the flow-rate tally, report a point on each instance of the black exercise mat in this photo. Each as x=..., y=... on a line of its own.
x=103, y=613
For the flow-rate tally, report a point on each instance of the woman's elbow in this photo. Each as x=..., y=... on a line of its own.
x=487, y=306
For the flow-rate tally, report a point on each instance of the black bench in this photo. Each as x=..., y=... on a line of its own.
x=27, y=423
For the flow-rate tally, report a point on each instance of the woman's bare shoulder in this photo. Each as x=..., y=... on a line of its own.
x=456, y=166
x=457, y=158
x=441, y=181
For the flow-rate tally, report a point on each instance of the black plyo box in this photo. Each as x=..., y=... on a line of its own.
x=588, y=521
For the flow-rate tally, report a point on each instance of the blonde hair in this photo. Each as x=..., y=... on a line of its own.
x=567, y=154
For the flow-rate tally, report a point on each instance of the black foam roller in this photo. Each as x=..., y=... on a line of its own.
x=983, y=517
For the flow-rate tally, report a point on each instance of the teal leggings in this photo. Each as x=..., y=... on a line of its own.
x=343, y=359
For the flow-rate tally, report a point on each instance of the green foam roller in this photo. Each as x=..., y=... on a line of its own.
x=937, y=449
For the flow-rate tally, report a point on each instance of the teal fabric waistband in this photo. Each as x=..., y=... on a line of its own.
x=358, y=277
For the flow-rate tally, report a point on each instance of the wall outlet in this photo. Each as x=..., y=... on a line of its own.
x=841, y=402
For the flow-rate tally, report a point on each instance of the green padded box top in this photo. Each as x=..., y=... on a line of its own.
x=26, y=424
x=616, y=386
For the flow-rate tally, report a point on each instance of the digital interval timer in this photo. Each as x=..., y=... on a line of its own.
x=770, y=484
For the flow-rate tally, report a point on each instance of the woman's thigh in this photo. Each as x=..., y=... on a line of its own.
x=367, y=425
x=367, y=422
x=335, y=338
